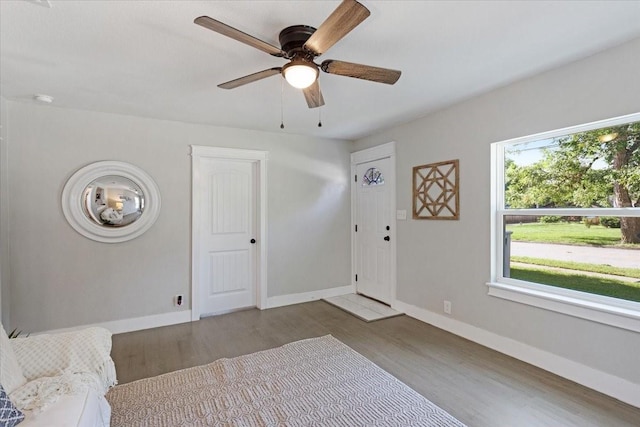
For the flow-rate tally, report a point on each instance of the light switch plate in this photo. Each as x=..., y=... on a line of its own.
x=401, y=215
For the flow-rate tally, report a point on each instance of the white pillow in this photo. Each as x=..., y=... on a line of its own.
x=11, y=376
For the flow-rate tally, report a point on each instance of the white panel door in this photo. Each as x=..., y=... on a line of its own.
x=227, y=264
x=373, y=221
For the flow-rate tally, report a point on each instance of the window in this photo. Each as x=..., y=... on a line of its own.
x=566, y=221
x=372, y=177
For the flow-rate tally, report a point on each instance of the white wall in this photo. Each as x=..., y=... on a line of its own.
x=58, y=277
x=440, y=260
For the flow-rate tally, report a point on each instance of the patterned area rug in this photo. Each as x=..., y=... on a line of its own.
x=313, y=382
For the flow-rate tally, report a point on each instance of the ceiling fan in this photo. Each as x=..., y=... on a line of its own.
x=301, y=44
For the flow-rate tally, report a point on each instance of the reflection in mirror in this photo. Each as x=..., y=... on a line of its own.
x=113, y=201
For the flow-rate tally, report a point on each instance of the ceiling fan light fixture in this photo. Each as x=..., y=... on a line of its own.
x=300, y=73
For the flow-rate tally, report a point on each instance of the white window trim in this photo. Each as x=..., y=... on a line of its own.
x=610, y=311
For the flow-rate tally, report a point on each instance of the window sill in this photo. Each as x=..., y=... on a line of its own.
x=613, y=312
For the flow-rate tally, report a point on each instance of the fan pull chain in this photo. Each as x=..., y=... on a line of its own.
x=282, y=104
x=319, y=109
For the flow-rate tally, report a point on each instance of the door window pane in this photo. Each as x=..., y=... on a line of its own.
x=372, y=176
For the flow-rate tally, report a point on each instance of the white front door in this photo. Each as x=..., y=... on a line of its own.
x=373, y=222
x=226, y=264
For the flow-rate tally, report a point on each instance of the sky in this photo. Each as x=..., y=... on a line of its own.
x=528, y=153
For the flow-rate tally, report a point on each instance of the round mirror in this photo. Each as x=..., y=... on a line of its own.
x=110, y=201
x=113, y=201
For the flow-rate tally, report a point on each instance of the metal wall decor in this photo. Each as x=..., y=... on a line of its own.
x=436, y=191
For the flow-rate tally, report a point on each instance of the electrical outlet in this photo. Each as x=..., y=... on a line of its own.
x=178, y=300
x=447, y=307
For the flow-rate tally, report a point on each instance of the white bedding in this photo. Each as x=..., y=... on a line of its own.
x=87, y=409
x=48, y=355
x=63, y=365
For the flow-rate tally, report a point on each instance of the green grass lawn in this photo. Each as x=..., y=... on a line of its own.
x=579, y=282
x=569, y=233
x=580, y=266
x=574, y=234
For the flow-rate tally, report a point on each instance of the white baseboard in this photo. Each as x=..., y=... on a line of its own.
x=134, y=324
x=608, y=384
x=290, y=299
x=183, y=316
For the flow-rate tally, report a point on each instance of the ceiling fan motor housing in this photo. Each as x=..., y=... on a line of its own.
x=292, y=40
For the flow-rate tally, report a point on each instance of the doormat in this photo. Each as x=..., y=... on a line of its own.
x=362, y=307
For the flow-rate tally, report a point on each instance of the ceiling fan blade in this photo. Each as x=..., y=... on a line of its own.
x=348, y=15
x=359, y=71
x=250, y=78
x=226, y=30
x=313, y=95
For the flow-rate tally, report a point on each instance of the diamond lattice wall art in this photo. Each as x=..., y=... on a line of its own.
x=436, y=191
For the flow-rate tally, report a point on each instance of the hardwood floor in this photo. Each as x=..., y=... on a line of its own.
x=477, y=385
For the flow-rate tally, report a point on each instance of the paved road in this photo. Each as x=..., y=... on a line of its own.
x=629, y=258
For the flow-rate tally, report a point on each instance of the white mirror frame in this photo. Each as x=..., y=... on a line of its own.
x=72, y=201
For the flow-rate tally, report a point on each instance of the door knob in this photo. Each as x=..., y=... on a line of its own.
x=253, y=241
x=387, y=238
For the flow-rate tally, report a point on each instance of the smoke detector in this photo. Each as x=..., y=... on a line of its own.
x=43, y=3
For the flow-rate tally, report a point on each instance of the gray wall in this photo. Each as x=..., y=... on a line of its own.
x=440, y=260
x=60, y=279
x=4, y=217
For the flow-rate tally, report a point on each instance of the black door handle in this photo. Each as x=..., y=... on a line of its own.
x=387, y=238
x=253, y=241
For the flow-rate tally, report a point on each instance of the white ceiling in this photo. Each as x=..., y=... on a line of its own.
x=147, y=58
